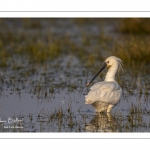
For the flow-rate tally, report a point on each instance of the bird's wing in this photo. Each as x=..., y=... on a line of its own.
x=107, y=92
x=97, y=85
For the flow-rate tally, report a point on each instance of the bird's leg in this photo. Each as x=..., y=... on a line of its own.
x=109, y=112
x=109, y=108
x=109, y=115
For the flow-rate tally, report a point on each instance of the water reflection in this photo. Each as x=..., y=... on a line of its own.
x=103, y=122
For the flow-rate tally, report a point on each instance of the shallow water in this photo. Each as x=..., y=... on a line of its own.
x=54, y=101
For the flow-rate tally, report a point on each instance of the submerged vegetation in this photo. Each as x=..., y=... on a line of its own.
x=47, y=62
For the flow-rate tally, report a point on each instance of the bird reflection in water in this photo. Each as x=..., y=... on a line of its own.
x=103, y=122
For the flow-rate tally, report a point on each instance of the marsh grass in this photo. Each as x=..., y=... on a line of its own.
x=135, y=25
x=133, y=50
x=39, y=47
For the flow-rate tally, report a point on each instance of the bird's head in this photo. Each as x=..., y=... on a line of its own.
x=113, y=60
x=109, y=62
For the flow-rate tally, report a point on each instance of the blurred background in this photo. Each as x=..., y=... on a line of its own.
x=31, y=41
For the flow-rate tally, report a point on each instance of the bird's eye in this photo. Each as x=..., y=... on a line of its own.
x=107, y=62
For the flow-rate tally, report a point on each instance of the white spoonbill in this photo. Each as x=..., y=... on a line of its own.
x=105, y=95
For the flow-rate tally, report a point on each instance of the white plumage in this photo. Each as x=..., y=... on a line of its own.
x=105, y=95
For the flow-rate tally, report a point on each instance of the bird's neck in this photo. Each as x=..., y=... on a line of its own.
x=110, y=75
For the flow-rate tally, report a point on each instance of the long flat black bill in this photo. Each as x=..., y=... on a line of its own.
x=103, y=67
